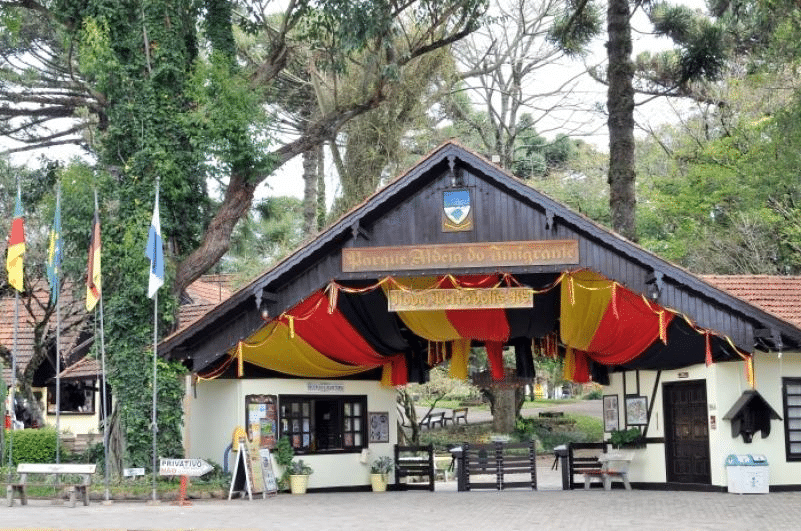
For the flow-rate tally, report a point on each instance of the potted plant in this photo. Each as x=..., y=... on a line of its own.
x=299, y=473
x=630, y=438
x=379, y=473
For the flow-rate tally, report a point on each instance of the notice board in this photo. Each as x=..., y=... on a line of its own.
x=261, y=422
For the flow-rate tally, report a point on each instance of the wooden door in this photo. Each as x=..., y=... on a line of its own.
x=686, y=432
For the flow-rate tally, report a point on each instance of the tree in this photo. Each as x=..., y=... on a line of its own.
x=699, y=56
x=502, y=69
x=149, y=105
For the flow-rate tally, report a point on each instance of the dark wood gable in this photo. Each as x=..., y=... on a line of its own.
x=408, y=212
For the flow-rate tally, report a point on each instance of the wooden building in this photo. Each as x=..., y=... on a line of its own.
x=456, y=252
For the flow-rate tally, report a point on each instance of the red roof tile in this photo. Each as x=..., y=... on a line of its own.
x=205, y=293
x=777, y=295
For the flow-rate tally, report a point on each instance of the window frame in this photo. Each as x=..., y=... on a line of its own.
x=297, y=422
x=87, y=386
x=789, y=454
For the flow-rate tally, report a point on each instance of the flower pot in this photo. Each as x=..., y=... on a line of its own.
x=297, y=484
x=379, y=482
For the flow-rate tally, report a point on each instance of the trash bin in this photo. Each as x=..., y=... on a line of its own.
x=748, y=474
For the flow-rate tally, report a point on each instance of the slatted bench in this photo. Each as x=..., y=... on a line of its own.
x=76, y=477
x=414, y=461
x=432, y=419
x=614, y=465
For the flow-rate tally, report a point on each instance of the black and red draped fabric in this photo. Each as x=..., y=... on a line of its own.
x=601, y=324
x=686, y=345
x=612, y=324
x=367, y=312
x=329, y=332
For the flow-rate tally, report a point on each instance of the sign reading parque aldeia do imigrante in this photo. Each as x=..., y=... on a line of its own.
x=459, y=299
x=183, y=467
x=459, y=255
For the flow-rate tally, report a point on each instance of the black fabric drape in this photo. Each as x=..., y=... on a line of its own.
x=540, y=320
x=685, y=347
x=367, y=313
x=524, y=359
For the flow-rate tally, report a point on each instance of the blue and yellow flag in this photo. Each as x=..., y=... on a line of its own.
x=54, y=254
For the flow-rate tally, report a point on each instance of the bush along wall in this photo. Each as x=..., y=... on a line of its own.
x=31, y=446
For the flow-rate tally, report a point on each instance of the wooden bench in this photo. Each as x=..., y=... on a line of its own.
x=66, y=472
x=458, y=413
x=581, y=458
x=414, y=461
x=432, y=419
x=614, y=465
x=498, y=466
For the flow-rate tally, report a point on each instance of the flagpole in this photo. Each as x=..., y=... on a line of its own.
x=58, y=339
x=13, y=383
x=155, y=354
x=14, y=351
x=103, y=395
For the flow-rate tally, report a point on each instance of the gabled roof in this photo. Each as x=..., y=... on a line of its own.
x=315, y=263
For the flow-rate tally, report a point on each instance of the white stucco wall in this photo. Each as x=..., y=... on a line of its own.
x=725, y=382
x=214, y=408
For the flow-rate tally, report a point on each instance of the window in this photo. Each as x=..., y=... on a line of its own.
x=324, y=424
x=76, y=397
x=792, y=417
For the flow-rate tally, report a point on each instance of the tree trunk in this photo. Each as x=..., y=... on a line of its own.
x=321, y=208
x=217, y=239
x=620, y=103
x=310, y=192
x=505, y=411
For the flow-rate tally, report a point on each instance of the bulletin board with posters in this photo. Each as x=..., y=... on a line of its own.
x=261, y=420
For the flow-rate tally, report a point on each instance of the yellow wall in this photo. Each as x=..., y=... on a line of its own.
x=75, y=423
x=219, y=406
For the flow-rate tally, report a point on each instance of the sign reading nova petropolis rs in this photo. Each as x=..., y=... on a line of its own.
x=183, y=467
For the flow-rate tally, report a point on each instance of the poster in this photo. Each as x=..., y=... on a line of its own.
x=636, y=411
x=379, y=426
x=611, y=413
x=262, y=420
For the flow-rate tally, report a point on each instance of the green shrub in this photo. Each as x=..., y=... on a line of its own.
x=595, y=394
x=32, y=446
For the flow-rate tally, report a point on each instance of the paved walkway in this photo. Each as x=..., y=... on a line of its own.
x=442, y=510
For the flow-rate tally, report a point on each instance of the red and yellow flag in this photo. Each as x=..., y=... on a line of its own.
x=93, y=279
x=16, y=247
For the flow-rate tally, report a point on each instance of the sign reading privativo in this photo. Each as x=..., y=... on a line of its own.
x=183, y=467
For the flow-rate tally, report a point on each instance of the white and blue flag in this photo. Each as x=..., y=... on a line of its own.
x=155, y=253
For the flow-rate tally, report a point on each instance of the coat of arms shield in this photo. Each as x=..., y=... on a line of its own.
x=457, y=210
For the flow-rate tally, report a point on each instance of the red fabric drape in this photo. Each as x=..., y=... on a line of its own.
x=624, y=334
x=330, y=333
x=581, y=371
x=495, y=356
x=481, y=325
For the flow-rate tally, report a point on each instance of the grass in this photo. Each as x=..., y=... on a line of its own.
x=129, y=489
x=547, y=432
x=538, y=403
